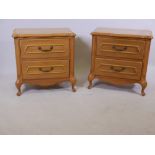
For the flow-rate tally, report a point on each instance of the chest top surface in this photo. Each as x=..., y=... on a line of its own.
x=123, y=32
x=42, y=32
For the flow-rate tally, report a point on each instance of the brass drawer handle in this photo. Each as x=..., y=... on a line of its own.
x=119, y=48
x=45, y=50
x=117, y=69
x=46, y=69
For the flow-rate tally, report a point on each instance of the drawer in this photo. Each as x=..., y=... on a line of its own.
x=118, y=68
x=44, y=48
x=45, y=69
x=120, y=47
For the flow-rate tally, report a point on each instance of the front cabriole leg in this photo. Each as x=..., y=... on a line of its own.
x=144, y=85
x=90, y=79
x=18, y=86
x=73, y=82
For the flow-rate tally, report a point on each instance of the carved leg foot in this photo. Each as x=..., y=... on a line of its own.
x=73, y=82
x=18, y=86
x=144, y=85
x=90, y=79
x=90, y=85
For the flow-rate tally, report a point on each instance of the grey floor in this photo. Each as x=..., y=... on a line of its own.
x=104, y=109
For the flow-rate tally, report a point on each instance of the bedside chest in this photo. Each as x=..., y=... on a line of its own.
x=120, y=56
x=44, y=56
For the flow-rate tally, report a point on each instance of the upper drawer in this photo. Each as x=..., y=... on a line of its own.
x=118, y=68
x=44, y=48
x=120, y=47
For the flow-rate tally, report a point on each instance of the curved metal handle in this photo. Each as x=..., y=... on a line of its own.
x=117, y=69
x=119, y=48
x=46, y=69
x=45, y=50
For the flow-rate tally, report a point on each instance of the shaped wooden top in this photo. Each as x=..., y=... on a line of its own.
x=123, y=32
x=42, y=32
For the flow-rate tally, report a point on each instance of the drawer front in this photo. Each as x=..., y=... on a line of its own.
x=118, y=68
x=120, y=47
x=44, y=48
x=45, y=69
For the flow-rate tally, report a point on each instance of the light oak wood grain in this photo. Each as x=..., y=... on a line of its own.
x=120, y=56
x=41, y=69
x=120, y=47
x=44, y=56
x=116, y=32
x=45, y=48
x=42, y=32
x=118, y=68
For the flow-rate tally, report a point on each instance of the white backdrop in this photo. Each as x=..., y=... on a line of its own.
x=105, y=109
x=82, y=27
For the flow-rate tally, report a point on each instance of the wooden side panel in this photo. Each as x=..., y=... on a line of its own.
x=71, y=67
x=145, y=60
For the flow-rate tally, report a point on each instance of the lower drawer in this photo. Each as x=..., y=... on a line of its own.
x=45, y=69
x=118, y=68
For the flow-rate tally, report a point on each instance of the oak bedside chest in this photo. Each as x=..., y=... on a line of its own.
x=120, y=56
x=44, y=56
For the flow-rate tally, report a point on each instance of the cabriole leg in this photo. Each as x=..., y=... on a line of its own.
x=144, y=85
x=90, y=79
x=73, y=82
x=18, y=86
